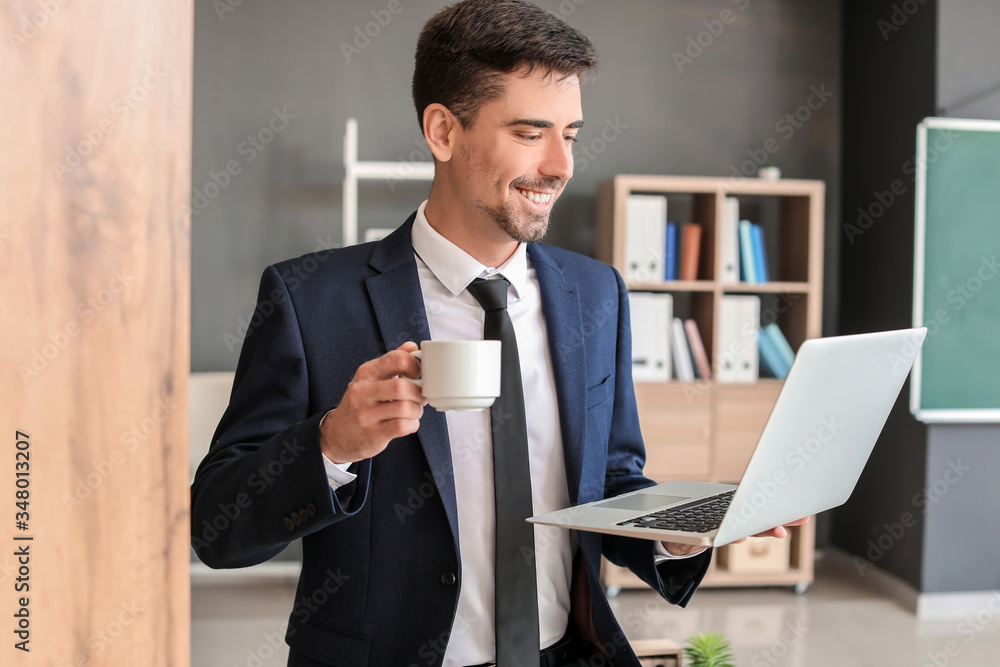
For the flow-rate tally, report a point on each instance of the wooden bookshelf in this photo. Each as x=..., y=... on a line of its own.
x=706, y=430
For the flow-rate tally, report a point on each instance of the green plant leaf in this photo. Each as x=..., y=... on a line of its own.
x=708, y=650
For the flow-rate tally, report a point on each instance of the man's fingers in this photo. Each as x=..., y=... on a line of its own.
x=392, y=363
x=393, y=389
x=383, y=412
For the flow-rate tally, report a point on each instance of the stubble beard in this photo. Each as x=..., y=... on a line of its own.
x=522, y=227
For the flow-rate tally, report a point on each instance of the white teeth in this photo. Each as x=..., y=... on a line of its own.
x=536, y=197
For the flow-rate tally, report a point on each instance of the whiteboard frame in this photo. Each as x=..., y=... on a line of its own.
x=937, y=416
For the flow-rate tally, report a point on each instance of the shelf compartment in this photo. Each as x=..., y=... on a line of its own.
x=742, y=412
x=675, y=418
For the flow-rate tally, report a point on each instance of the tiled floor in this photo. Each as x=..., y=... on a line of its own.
x=834, y=624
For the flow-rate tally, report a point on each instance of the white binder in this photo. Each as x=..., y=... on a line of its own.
x=650, y=321
x=645, y=237
x=731, y=240
x=738, y=331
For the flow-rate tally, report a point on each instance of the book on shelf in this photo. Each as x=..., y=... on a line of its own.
x=697, y=345
x=650, y=315
x=759, y=253
x=771, y=362
x=670, y=257
x=737, y=356
x=748, y=273
x=645, y=232
x=690, y=251
x=730, y=240
x=784, y=349
x=682, y=353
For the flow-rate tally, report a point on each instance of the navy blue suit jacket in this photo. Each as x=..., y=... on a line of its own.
x=381, y=569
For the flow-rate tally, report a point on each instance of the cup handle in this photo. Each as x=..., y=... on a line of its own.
x=416, y=355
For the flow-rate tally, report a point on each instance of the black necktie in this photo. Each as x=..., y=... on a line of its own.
x=516, y=603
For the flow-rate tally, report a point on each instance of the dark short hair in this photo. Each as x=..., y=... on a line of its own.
x=465, y=49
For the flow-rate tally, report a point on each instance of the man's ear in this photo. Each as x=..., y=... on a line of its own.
x=440, y=130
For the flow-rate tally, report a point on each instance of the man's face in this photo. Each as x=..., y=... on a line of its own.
x=517, y=157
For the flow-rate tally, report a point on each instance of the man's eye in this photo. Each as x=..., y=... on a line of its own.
x=531, y=137
x=571, y=138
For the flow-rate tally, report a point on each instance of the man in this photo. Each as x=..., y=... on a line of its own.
x=324, y=440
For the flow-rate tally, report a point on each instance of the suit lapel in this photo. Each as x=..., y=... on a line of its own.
x=398, y=305
x=564, y=322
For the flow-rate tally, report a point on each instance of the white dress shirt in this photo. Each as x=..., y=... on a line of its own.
x=444, y=271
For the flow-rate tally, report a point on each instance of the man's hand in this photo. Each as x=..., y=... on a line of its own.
x=676, y=549
x=778, y=531
x=377, y=407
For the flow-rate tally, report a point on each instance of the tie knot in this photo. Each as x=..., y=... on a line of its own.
x=491, y=294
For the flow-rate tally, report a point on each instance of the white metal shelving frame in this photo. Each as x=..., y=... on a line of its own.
x=355, y=171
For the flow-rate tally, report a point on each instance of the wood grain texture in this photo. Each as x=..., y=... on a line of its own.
x=95, y=124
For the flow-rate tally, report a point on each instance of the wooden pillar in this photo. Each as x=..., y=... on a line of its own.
x=95, y=155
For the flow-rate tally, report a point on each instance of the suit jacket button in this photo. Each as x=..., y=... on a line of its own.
x=448, y=579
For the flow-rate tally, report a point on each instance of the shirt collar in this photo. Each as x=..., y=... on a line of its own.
x=456, y=268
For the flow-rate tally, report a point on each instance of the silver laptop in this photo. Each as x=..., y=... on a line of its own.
x=820, y=433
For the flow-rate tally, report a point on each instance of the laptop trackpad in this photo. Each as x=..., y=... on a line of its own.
x=641, y=501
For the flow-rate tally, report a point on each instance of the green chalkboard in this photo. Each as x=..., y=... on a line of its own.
x=957, y=281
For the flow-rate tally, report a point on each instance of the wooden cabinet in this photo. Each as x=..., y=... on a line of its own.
x=706, y=430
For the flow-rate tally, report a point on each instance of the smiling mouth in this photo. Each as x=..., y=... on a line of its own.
x=539, y=198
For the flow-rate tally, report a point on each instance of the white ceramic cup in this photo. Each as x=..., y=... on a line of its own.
x=461, y=375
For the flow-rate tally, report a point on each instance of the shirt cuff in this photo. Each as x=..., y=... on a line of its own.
x=336, y=473
x=661, y=554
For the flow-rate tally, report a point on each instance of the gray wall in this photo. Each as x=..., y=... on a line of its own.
x=286, y=201
x=941, y=61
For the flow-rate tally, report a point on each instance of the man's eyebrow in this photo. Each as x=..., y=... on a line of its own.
x=536, y=122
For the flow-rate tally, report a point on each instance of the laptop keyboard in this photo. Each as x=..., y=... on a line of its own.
x=699, y=516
